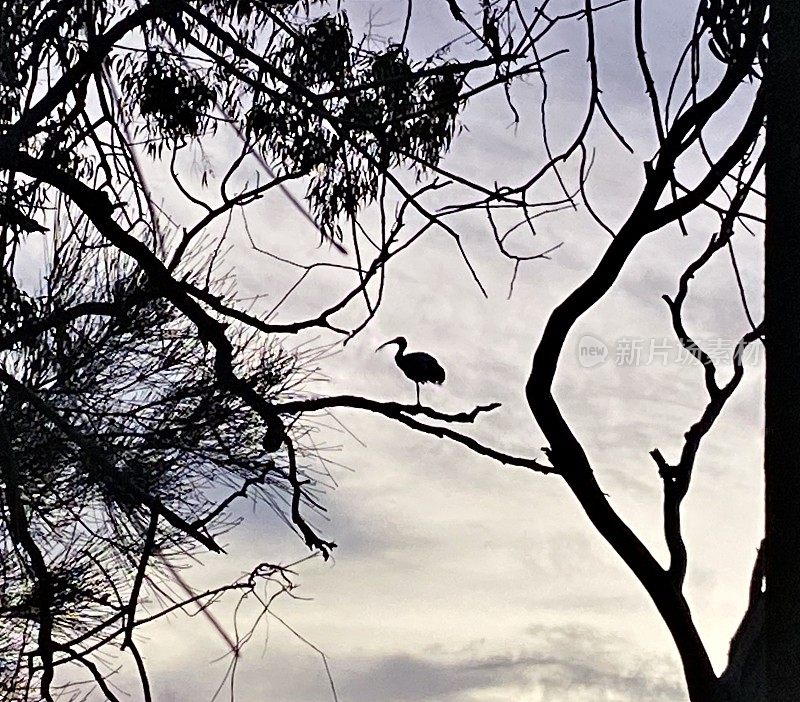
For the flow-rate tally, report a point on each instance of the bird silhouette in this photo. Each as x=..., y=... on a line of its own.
x=418, y=366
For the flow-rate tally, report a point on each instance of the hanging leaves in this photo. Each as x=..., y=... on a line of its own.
x=173, y=99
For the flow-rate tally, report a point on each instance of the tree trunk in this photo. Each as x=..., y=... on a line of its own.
x=744, y=680
x=782, y=317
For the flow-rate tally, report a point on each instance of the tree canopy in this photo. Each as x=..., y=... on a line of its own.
x=140, y=394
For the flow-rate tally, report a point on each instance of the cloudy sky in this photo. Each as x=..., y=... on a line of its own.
x=457, y=579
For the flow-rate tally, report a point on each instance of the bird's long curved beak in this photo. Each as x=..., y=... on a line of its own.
x=391, y=341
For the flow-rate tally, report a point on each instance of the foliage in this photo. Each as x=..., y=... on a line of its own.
x=141, y=398
x=134, y=423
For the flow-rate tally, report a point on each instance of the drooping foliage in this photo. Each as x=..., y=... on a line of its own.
x=134, y=411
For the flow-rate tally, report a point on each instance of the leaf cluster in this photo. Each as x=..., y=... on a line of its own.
x=120, y=415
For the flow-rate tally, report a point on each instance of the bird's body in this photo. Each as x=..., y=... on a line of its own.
x=418, y=366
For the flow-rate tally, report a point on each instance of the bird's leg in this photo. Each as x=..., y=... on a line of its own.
x=417, y=384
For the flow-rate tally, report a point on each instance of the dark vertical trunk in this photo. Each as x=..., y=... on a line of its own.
x=744, y=679
x=782, y=316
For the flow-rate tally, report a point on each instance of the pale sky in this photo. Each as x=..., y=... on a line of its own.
x=457, y=579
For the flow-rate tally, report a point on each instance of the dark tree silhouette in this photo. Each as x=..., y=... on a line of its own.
x=781, y=315
x=136, y=379
x=141, y=396
x=735, y=33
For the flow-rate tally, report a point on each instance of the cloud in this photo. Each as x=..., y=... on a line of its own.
x=548, y=663
x=541, y=663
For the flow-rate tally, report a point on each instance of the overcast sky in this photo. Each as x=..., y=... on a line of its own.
x=457, y=579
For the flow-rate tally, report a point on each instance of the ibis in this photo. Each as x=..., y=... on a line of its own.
x=418, y=366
